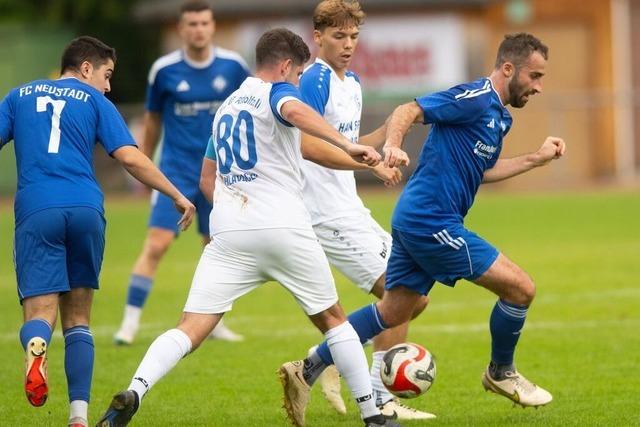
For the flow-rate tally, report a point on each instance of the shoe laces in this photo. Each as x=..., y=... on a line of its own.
x=520, y=382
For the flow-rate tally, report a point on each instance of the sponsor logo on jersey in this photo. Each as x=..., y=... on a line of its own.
x=193, y=108
x=483, y=150
x=492, y=124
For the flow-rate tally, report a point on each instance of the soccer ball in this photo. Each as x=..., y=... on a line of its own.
x=408, y=370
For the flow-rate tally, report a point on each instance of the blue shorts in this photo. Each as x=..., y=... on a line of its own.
x=418, y=261
x=164, y=213
x=58, y=249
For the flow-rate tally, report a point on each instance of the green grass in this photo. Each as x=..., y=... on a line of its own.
x=581, y=340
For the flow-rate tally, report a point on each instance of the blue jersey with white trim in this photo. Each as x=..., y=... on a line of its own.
x=55, y=125
x=187, y=94
x=468, y=124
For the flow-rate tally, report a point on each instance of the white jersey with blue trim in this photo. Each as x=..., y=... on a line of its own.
x=258, y=183
x=330, y=193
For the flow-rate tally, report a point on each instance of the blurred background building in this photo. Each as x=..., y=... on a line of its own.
x=407, y=48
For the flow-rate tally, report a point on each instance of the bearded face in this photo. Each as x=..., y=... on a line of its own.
x=519, y=91
x=526, y=80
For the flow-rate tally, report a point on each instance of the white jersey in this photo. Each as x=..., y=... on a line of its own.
x=258, y=183
x=329, y=193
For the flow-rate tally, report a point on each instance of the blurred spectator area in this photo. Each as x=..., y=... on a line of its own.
x=411, y=47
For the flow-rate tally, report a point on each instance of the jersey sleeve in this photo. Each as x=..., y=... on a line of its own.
x=314, y=87
x=6, y=119
x=280, y=93
x=154, y=96
x=210, y=153
x=112, y=131
x=450, y=107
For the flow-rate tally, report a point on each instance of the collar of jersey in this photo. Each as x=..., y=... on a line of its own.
x=202, y=64
x=496, y=92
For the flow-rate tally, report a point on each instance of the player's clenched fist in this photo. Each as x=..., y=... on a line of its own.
x=395, y=157
x=552, y=148
x=364, y=154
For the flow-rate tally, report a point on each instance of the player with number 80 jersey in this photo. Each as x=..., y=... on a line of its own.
x=259, y=182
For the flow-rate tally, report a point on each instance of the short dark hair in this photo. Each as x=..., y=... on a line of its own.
x=516, y=48
x=85, y=48
x=337, y=13
x=279, y=44
x=195, y=6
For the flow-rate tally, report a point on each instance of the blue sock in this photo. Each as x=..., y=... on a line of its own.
x=367, y=322
x=35, y=328
x=78, y=362
x=505, y=324
x=139, y=288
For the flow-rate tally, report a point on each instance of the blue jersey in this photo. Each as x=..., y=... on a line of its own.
x=187, y=95
x=468, y=125
x=55, y=125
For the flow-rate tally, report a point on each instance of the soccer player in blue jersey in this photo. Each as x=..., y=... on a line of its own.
x=184, y=91
x=462, y=150
x=59, y=229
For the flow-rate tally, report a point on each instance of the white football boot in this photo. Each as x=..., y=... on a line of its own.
x=517, y=388
x=403, y=412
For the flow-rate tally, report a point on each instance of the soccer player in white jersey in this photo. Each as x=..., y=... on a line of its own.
x=352, y=240
x=261, y=229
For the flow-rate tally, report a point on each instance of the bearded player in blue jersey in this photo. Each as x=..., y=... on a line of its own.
x=431, y=244
x=60, y=225
x=184, y=91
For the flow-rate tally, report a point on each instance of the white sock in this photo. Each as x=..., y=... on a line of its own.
x=380, y=392
x=351, y=362
x=131, y=320
x=79, y=408
x=163, y=354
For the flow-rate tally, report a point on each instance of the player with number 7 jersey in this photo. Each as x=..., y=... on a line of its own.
x=59, y=230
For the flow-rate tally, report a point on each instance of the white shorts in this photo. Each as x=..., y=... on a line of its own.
x=236, y=262
x=357, y=246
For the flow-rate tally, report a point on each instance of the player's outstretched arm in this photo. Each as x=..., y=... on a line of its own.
x=328, y=155
x=401, y=120
x=309, y=121
x=376, y=138
x=208, y=178
x=143, y=169
x=552, y=148
x=152, y=128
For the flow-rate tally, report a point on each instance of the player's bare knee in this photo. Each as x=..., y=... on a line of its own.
x=392, y=317
x=154, y=250
x=525, y=292
x=420, y=306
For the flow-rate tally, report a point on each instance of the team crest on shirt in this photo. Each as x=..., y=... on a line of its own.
x=183, y=86
x=357, y=101
x=219, y=83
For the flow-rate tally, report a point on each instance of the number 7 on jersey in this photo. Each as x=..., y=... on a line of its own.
x=58, y=106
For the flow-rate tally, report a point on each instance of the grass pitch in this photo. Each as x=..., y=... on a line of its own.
x=581, y=339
